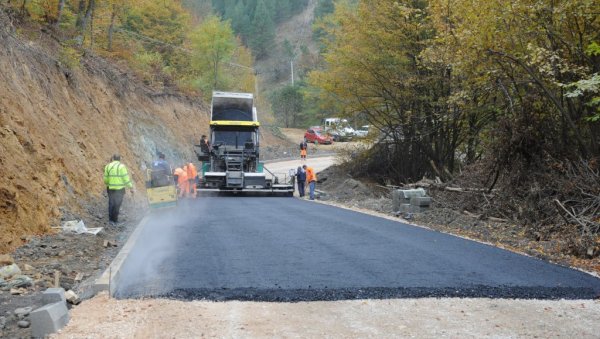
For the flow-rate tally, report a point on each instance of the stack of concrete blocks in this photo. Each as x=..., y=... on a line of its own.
x=51, y=317
x=410, y=201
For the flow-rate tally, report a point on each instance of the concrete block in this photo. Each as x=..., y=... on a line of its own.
x=400, y=197
x=404, y=208
x=420, y=201
x=408, y=208
x=48, y=319
x=53, y=295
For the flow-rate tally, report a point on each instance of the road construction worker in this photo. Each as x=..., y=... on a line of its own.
x=301, y=179
x=303, y=147
x=181, y=178
x=204, y=144
x=159, y=176
x=311, y=180
x=176, y=173
x=192, y=173
x=116, y=180
x=184, y=185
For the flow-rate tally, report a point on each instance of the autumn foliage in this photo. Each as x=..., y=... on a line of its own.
x=504, y=91
x=160, y=40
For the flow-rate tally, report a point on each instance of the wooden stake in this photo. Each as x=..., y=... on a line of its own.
x=57, y=279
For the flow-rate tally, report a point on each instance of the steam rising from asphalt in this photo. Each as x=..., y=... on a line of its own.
x=146, y=266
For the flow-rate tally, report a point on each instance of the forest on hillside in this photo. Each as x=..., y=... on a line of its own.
x=255, y=20
x=191, y=45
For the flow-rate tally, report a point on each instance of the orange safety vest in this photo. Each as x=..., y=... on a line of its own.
x=184, y=177
x=181, y=175
x=191, y=171
x=310, y=174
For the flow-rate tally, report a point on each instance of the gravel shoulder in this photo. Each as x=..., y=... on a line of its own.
x=102, y=317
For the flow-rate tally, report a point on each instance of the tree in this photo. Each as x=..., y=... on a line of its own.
x=287, y=103
x=373, y=68
x=323, y=8
x=263, y=30
x=213, y=44
x=526, y=57
x=240, y=20
x=61, y=6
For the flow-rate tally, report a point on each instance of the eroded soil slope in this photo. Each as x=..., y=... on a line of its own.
x=59, y=127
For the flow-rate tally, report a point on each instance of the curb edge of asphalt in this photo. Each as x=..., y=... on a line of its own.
x=106, y=282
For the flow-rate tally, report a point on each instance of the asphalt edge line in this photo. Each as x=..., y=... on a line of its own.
x=111, y=275
x=406, y=222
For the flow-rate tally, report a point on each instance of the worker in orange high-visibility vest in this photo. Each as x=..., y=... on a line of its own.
x=311, y=180
x=192, y=173
x=303, y=147
x=182, y=181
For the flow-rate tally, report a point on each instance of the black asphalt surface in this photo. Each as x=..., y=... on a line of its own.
x=286, y=249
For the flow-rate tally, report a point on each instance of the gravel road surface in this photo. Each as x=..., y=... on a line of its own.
x=102, y=317
x=287, y=249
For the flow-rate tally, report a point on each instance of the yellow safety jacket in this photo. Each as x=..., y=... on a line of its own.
x=116, y=176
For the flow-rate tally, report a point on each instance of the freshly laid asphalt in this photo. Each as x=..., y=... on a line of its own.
x=287, y=249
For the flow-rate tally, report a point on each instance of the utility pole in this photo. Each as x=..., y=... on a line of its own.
x=256, y=84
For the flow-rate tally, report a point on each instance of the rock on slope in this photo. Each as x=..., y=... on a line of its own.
x=58, y=128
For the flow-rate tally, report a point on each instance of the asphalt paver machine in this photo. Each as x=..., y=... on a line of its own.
x=231, y=158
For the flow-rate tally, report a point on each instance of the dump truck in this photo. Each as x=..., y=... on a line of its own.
x=231, y=158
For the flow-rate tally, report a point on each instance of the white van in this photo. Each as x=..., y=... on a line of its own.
x=338, y=128
x=362, y=132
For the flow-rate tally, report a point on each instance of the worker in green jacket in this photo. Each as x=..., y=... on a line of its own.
x=116, y=180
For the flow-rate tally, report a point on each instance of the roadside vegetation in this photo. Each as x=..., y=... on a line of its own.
x=500, y=99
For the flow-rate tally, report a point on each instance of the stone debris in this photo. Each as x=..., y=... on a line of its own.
x=23, y=324
x=72, y=297
x=6, y=259
x=15, y=282
x=2, y=322
x=8, y=271
x=110, y=243
x=18, y=291
x=22, y=312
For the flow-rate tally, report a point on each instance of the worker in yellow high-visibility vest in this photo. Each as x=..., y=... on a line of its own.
x=116, y=180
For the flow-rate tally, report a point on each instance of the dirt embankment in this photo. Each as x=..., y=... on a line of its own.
x=59, y=127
